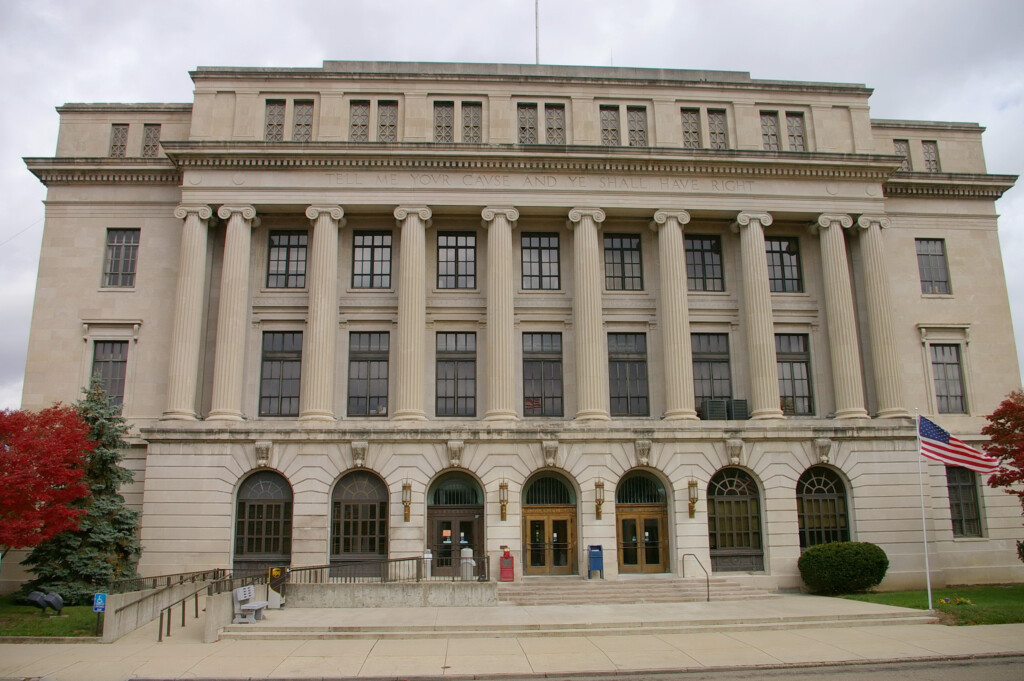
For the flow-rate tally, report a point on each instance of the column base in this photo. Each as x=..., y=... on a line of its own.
x=895, y=413
x=178, y=415
x=681, y=415
x=501, y=415
x=592, y=415
x=858, y=413
x=323, y=416
x=224, y=415
x=766, y=414
x=409, y=415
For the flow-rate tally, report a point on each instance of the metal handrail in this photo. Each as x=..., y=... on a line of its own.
x=707, y=576
x=128, y=584
x=391, y=570
x=214, y=587
x=210, y=585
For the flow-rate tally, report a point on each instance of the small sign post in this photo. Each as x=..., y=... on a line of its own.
x=99, y=606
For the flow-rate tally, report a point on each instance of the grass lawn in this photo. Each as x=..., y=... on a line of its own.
x=993, y=604
x=26, y=620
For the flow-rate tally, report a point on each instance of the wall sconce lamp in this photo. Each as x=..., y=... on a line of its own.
x=503, y=499
x=406, y=498
x=692, y=490
x=599, y=496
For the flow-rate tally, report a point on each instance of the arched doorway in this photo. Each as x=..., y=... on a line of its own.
x=549, y=526
x=734, y=522
x=641, y=516
x=359, y=518
x=455, y=520
x=821, y=507
x=263, y=523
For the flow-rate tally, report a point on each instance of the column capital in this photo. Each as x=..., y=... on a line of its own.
x=663, y=216
x=490, y=212
x=225, y=212
x=578, y=213
x=867, y=221
x=184, y=210
x=403, y=212
x=746, y=217
x=826, y=220
x=337, y=213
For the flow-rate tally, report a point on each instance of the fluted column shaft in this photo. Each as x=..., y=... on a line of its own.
x=412, y=320
x=888, y=383
x=757, y=313
x=675, y=315
x=591, y=362
x=842, y=324
x=500, y=314
x=316, y=399
x=232, y=314
x=186, y=334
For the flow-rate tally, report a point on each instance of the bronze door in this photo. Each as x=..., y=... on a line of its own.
x=451, y=530
x=643, y=545
x=549, y=540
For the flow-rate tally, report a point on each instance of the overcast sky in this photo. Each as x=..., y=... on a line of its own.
x=931, y=59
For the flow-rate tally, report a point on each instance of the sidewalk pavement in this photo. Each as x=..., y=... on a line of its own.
x=184, y=656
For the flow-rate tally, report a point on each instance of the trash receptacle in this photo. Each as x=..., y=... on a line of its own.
x=595, y=560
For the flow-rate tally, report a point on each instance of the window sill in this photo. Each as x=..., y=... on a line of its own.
x=969, y=539
x=283, y=290
x=456, y=291
x=939, y=296
x=116, y=289
x=373, y=291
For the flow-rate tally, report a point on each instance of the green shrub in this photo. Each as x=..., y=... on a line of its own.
x=843, y=567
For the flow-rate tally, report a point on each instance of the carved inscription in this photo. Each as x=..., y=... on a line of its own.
x=540, y=181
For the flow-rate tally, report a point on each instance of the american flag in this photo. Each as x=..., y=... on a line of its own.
x=937, y=444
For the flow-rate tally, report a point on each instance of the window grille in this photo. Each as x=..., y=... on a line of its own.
x=704, y=263
x=948, y=376
x=784, y=265
x=627, y=373
x=456, y=260
x=359, y=516
x=623, y=266
x=456, y=374
x=795, y=128
x=151, y=140
x=263, y=525
x=455, y=489
x=472, y=122
x=554, y=115
x=275, y=121
x=387, y=121
x=527, y=123
x=286, y=260
x=770, y=130
x=636, y=119
x=368, y=373
x=711, y=373
x=734, y=522
x=371, y=260
x=119, y=140
x=718, y=130
x=639, y=487
x=902, y=148
x=932, y=266
x=444, y=122
x=110, y=365
x=540, y=262
x=302, y=126
x=280, y=373
x=547, y=491
x=691, y=128
x=821, y=507
x=931, y=156
x=359, y=121
x=542, y=374
x=793, y=358
x=610, y=136
x=964, y=510
x=121, y=258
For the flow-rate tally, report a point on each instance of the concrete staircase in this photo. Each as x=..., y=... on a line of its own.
x=626, y=589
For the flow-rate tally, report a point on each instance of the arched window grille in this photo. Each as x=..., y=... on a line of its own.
x=359, y=517
x=455, y=489
x=639, y=487
x=734, y=522
x=821, y=507
x=263, y=524
x=548, y=490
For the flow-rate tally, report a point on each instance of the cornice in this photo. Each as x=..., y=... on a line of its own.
x=112, y=107
x=142, y=171
x=948, y=185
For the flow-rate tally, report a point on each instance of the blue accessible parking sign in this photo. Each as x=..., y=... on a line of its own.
x=99, y=602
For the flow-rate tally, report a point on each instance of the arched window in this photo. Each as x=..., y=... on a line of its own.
x=821, y=507
x=548, y=490
x=455, y=489
x=639, y=487
x=359, y=517
x=734, y=522
x=263, y=522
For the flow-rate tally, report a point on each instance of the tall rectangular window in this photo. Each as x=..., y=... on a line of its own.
x=286, y=260
x=368, y=374
x=902, y=148
x=456, y=374
x=118, y=140
x=540, y=262
x=949, y=379
x=636, y=119
x=691, y=128
x=109, y=365
x=472, y=122
x=527, y=114
x=704, y=263
x=623, y=267
x=542, y=374
x=444, y=122
x=554, y=123
x=122, y=255
x=627, y=374
x=151, y=140
x=932, y=266
x=610, y=136
x=711, y=376
x=795, y=128
x=456, y=260
x=770, y=130
x=280, y=372
x=931, y=156
x=793, y=356
x=387, y=121
x=274, y=128
x=371, y=260
x=718, y=129
x=964, y=509
x=302, y=123
x=359, y=121
x=784, y=265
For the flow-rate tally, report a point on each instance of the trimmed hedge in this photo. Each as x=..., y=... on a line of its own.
x=843, y=567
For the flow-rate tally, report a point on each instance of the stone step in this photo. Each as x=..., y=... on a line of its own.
x=667, y=589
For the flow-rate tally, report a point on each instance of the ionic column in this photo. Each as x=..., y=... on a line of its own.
x=757, y=314
x=591, y=362
x=186, y=334
x=842, y=324
x=675, y=315
x=888, y=382
x=232, y=315
x=412, y=320
x=316, y=398
x=500, y=329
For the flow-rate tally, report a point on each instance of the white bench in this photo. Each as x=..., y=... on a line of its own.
x=246, y=609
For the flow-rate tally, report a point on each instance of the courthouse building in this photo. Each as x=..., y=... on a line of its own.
x=373, y=309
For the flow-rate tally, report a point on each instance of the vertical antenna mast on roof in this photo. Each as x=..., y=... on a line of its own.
x=536, y=28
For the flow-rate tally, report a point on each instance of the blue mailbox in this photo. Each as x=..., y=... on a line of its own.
x=595, y=560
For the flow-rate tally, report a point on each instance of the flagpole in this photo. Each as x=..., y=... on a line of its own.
x=924, y=523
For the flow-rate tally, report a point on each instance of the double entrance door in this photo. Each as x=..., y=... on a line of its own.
x=453, y=528
x=643, y=546
x=549, y=539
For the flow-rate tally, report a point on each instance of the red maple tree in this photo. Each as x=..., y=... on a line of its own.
x=42, y=456
x=1005, y=431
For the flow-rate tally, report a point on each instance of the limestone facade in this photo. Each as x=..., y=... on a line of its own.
x=550, y=283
